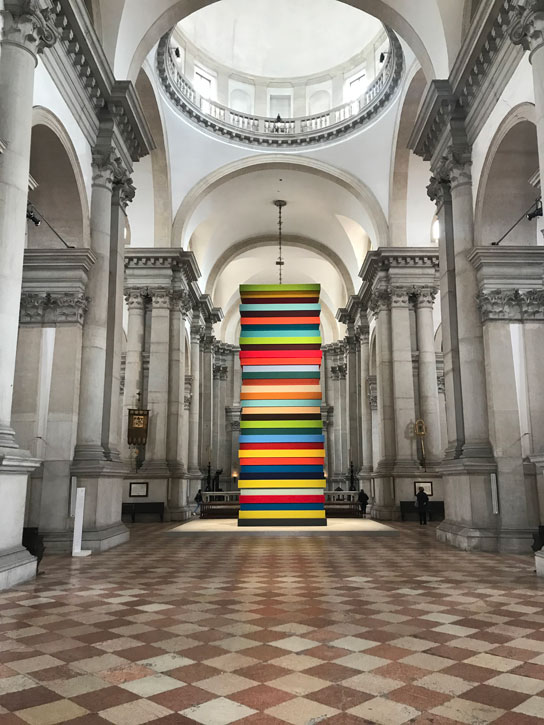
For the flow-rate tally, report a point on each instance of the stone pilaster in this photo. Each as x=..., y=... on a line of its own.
x=132, y=397
x=194, y=473
x=366, y=413
x=428, y=385
x=158, y=383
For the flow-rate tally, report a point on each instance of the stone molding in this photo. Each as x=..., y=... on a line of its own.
x=29, y=25
x=48, y=309
x=441, y=384
x=511, y=305
x=484, y=65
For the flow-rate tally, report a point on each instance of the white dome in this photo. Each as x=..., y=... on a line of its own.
x=280, y=38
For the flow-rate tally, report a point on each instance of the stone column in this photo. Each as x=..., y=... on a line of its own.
x=223, y=461
x=175, y=453
x=384, y=500
x=194, y=474
x=216, y=433
x=528, y=31
x=516, y=517
x=468, y=462
x=27, y=30
x=158, y=383
x=337, y=477
x=233, y=414
x=344, y=411
x=403, y=380
x=428, y=388
x=352, y=399
x=366, y=413
x=132, y=397
x=96, y=463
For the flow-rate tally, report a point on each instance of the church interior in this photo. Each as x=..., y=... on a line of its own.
x=271, y=342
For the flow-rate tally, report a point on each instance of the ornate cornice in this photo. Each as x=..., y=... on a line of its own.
x=53, y=308
x=29, y=24
x=482, y=69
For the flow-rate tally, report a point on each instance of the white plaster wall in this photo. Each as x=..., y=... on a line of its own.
x=47, y=95
x=420, y=210
x=141, y=212
x=519, y=90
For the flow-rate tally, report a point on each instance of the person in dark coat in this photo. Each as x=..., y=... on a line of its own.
x=422, y=505
x=363, y=502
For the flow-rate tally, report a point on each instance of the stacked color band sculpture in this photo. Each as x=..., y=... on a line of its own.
x=281, y=435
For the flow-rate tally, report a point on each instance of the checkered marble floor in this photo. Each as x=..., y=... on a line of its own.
x=262, y=631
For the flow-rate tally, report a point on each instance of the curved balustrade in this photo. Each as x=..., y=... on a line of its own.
x=285, y=132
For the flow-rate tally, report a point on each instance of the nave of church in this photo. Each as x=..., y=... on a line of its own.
x=276, y=264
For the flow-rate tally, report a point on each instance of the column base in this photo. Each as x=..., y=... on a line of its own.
x=180, y=514
x=95, y=539
x=16, y=566
x=156, y=469
x=539, y=563
x=467, y=538
x=385, y=513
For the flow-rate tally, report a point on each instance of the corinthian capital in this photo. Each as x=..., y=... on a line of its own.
x=106, y=166
x=29, y=24
x=439, y=190
x=425, y=296
x=401, y=296
x=528, y=27
x=455, y=166
x=135, y=298
x=380, y=301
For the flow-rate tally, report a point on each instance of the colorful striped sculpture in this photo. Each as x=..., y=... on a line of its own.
x=281, y=435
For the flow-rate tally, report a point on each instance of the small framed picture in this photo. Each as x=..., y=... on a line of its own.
x=139, y=490
x=427, y=486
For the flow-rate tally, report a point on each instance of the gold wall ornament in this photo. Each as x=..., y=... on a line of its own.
x=420, y=430
x=138, y=420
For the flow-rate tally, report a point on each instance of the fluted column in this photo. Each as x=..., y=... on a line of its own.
x=366, y=413
x=428, y=387
x=157, y=385
x=194, y=472
x=133, y=365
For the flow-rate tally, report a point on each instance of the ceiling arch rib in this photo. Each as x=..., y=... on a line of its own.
x=289, y=240
x=375, y=222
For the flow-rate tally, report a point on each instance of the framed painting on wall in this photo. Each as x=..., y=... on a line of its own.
x=139, y=490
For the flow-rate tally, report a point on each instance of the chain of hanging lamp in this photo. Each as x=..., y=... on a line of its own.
x=280, y=203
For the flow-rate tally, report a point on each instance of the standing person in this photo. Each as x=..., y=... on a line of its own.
x=198, y=501
x=422, y=505
x=363, y=502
